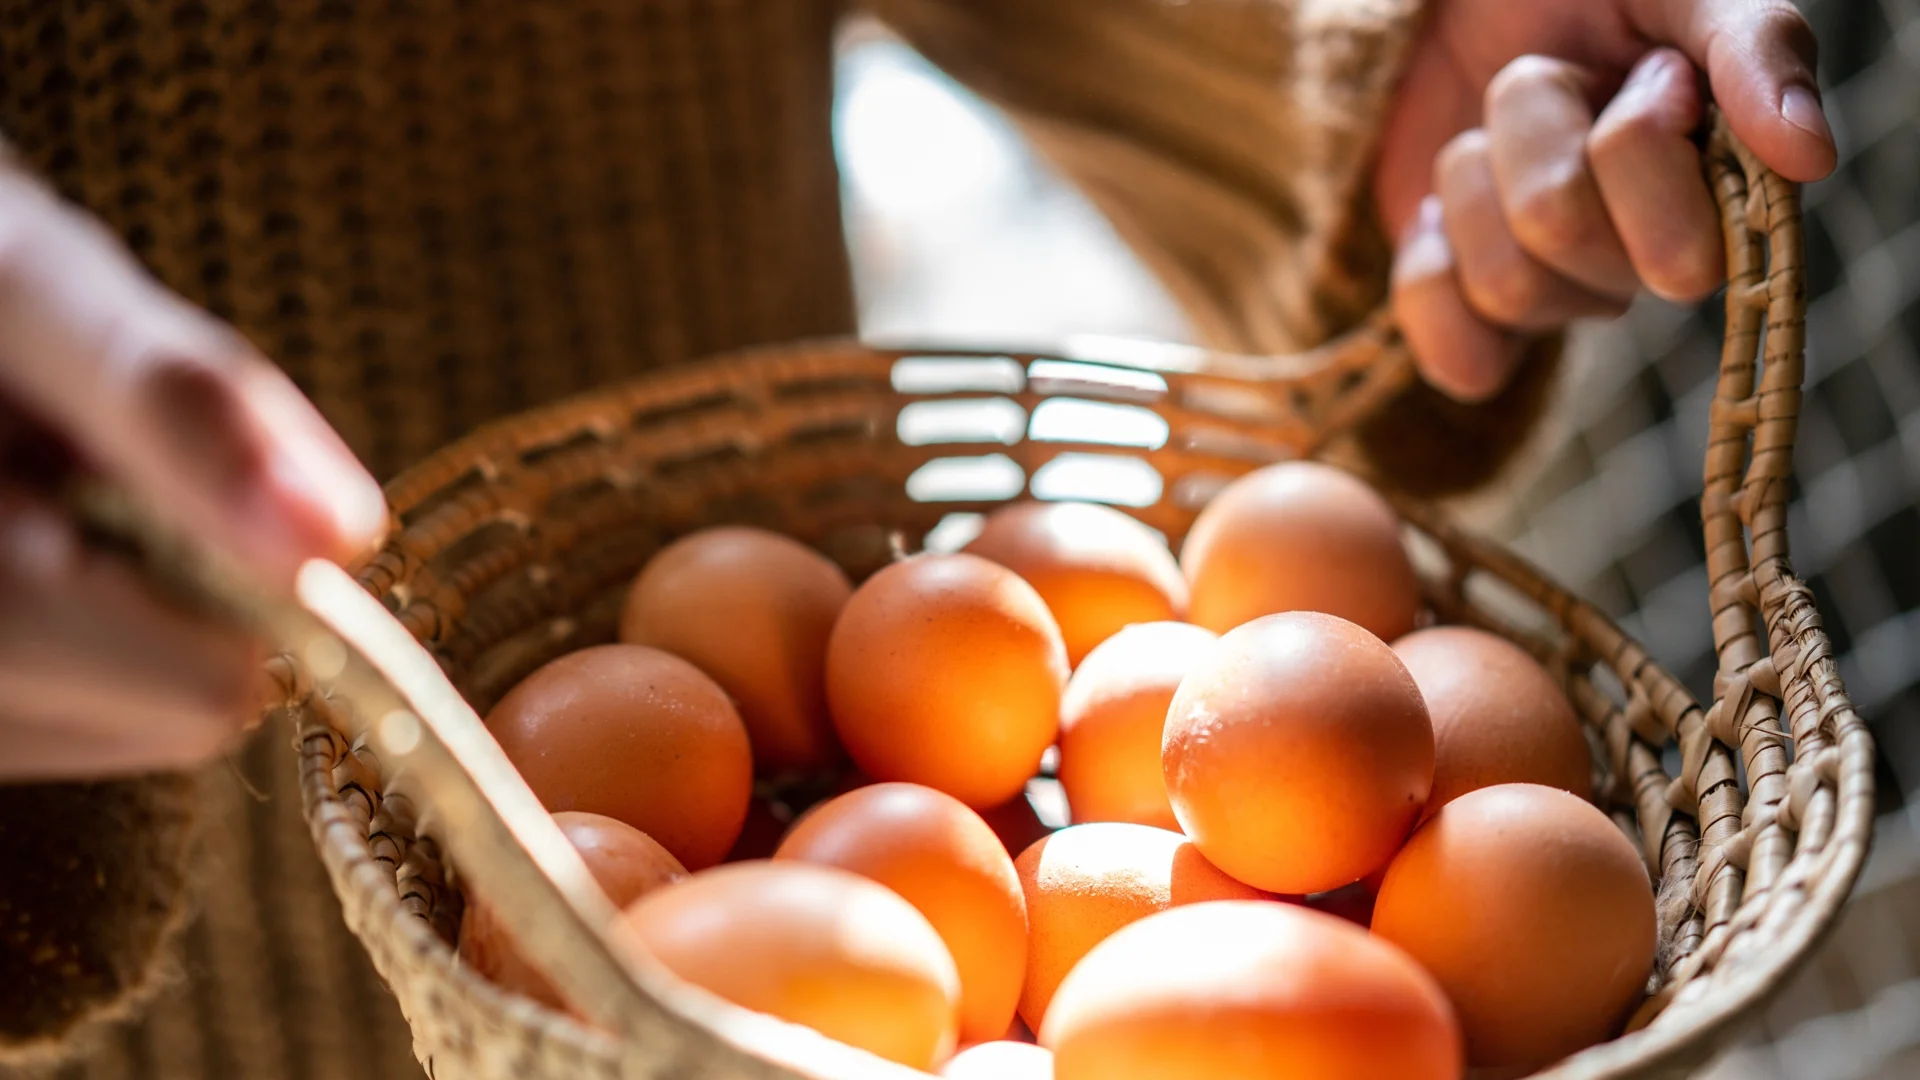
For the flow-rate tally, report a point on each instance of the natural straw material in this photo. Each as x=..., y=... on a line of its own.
x=514, y=545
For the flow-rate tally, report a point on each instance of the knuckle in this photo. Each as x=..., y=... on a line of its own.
x=1505, y=290
x=1462, y=150
x=1635, y=120
x=1684, y=272
x=1525, y=75
x=1555, y=214
x=1619, y=129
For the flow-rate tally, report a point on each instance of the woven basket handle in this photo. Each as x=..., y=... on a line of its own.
x=387, y=693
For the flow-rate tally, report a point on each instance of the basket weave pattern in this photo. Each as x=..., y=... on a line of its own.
x=515, y=543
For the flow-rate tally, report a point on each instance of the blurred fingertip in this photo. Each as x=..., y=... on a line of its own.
x=1422, y=251
x=1466, y=379
x=344, y=510
x=1454, y=351
x=317, y=476
x=1659, y=64
x=362, y=518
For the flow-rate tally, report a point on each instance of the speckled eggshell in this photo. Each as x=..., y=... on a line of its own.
x=1498, y=717
x=753, y=610
x=1298, y=753
x=946, y=670
x=638, y=735
x=1533, y=911
x=1299, y=536
x=1097, y=569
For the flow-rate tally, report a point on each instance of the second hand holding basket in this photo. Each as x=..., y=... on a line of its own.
x=514, y=543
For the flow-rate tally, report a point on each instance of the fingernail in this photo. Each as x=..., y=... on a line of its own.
x=1800, y=106
x=1658, y=65
x=1426, y=218
x=310, y=464
x=339, y=488
x=1424, y=255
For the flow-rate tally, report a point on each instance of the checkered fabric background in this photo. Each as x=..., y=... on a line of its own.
x=1614, y=513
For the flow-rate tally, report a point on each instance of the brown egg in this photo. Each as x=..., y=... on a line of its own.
x=1000, y=1060
x=1087, y=881
x=1533, y=911
x=812, y=945
x=1250, y=991
x=1097, y=568
x=753, y=609
x=946, y=670
x=625, y=861
x=1498, y=717
x=941, y=858
x=1300, y=536
x=638, y=735
x=1112, y=717
x=1298, y=753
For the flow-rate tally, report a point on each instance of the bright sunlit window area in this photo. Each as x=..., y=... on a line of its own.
x=958, y=232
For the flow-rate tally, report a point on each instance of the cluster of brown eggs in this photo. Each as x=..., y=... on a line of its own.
x=1309, y=838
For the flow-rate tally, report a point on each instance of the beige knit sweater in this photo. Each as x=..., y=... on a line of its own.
x=432, y=212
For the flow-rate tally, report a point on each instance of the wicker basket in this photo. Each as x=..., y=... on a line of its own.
x=513, y=546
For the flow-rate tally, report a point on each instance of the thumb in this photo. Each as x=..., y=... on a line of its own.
x=1759, y=56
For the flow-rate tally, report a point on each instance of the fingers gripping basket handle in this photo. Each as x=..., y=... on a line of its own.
x=1752, y=872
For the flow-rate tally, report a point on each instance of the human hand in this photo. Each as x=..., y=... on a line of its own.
x=103, y=371
x=1538, y=163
